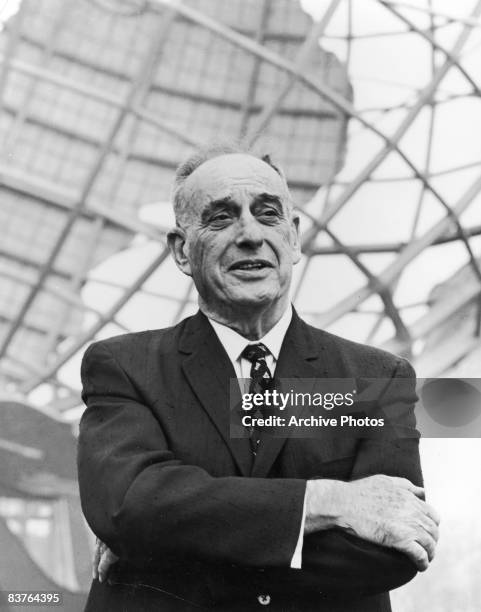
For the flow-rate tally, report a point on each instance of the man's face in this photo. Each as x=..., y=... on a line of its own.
x=241, y=239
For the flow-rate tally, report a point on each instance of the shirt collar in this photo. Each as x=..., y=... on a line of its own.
x=234, y=343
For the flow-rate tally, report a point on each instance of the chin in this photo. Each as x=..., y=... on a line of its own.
x=247, y=299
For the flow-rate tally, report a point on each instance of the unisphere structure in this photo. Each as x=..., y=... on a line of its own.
x=371, y=111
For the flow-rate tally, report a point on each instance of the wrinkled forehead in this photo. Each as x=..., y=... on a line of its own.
x=228, y=175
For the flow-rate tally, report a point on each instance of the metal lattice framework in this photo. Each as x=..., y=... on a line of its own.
x=101, y=99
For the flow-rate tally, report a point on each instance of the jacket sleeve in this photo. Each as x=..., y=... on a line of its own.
x=146, y=504
x=371, y=568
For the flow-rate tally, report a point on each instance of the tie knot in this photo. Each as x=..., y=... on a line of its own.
x=255, y=352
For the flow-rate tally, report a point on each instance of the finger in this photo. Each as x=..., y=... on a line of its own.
x=427, y=542
x=419, y=492
x=433, y=514
x=407, y=484
x=430, y=526
x=96, y=559
x=100, y=548
x=103, y=566
x=417, y=554
x=429, y=511
x=108, y=558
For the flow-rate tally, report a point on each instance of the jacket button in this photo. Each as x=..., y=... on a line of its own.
x=264, y=600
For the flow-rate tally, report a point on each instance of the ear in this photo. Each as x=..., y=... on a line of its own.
x=176, y=239
x=296, y=242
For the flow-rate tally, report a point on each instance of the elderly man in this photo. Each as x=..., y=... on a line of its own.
x=196, y=519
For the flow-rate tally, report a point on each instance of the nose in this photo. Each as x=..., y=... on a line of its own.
x=250, y=233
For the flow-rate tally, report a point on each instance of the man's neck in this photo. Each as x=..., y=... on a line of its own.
x=252, y=324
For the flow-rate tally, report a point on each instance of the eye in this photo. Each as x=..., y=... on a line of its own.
x=223, y=216
x=270, y=213
x=220, y=220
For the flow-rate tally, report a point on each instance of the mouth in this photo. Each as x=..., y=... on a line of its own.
x=250, y=264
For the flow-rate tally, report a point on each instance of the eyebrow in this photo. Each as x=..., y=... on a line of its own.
x=269, y=198
x=221, y=203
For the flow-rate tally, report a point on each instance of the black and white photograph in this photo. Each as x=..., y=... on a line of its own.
x=240, y=305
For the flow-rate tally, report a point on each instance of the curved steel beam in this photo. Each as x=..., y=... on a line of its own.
x=424, y=97
x=433, y=42
x=146, y=68
x=412, y=250
x=470, y=21
x=95, y=93
x=301, y=62
x=383, y=290
x=255, y=70
x=105, y=318
x=437, y=315
x=65, y=295
x=436, y=46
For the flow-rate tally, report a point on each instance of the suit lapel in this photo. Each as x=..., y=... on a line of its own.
x=300, y=357
x=209, y=371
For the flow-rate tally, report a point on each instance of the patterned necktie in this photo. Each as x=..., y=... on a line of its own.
x=260, y=381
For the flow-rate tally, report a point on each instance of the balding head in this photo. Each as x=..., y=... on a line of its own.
x=182, y=200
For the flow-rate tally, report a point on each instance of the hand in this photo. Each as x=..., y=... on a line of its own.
x=103, y=559
x=385, y=510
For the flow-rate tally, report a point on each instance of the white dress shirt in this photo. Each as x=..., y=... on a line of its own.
x=234, y=344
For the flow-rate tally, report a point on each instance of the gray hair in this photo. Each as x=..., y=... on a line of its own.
x=201, y=155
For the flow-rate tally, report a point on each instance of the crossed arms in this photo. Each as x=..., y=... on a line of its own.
x=144, y=503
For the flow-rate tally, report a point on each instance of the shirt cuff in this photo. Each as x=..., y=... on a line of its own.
x=296, y=561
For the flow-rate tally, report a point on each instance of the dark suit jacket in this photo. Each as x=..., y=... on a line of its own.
x=197, y=524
